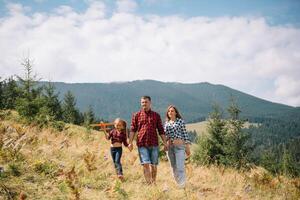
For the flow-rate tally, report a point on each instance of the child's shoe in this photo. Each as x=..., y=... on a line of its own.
x=121, y=177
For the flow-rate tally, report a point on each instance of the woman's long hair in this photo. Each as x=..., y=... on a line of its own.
x=176, y=110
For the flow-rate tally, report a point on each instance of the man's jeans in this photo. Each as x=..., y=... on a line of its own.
x=176, y=156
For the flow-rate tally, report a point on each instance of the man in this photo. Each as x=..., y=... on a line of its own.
x=146, y=123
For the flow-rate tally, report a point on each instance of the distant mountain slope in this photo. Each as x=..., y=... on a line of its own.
x=111, y=100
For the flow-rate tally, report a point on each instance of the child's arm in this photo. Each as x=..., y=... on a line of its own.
x=125, y=141
x=107, y=135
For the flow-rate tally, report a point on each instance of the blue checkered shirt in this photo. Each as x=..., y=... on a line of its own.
x=176, y=130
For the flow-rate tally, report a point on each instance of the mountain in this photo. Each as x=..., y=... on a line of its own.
x=121, y=99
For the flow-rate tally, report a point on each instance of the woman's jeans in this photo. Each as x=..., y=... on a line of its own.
x=176, y=156
x=116, y=154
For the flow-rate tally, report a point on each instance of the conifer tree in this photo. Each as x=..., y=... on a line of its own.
x=236, y=146
x=30, y=102
x=10, y=93
x=70, y=113
x=89, y=116
x=51, y=102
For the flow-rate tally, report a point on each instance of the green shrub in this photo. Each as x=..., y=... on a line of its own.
x=14, y=169
x=45, y=167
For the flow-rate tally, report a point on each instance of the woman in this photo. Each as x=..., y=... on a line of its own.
x=179, y=143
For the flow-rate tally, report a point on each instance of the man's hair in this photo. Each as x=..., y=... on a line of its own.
x=146, y=97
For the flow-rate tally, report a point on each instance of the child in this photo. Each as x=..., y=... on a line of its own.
x=117, y=136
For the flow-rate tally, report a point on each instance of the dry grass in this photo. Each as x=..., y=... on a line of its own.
x=76, y=164
x=199, y=127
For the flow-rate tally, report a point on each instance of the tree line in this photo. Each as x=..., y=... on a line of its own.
x=272, y=144
x=41, y=104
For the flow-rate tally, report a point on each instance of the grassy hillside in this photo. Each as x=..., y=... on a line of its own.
x=201, y=127
x=111, y=100
x=75, y=164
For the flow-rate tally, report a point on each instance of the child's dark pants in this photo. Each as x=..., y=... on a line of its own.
x=116, y=154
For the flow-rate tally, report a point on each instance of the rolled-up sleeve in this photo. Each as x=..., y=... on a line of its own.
x=186, y=136
x=160, y=127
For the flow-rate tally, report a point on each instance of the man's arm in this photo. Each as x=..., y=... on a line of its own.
x=162, y=132
x=133, y=129
x=131, y=137
x=164, y=139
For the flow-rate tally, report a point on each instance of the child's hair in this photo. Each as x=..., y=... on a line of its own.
x=123, y=122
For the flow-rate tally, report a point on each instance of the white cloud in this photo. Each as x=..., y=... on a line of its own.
x=240, y=52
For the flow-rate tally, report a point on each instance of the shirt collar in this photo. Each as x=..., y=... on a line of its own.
x=174, y=120
x=147, y=112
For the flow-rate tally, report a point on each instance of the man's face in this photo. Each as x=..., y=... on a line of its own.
x=145, y=104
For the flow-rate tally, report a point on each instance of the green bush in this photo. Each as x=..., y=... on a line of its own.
x=200, y=154
x=58, y=125
x=226, y=142
x=14, y=169
x=45, y=167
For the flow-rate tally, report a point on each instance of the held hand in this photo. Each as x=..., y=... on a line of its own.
x=166, y=147
x=130, y=147
x=188, y=151
x=169, y=143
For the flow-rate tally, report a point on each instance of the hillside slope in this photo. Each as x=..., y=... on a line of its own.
x=111, y=100
x=37, y=164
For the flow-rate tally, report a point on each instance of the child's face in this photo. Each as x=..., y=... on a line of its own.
x=119, y=125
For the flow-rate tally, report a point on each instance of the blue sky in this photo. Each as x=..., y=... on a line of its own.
x=275, y=11
x=252, y=46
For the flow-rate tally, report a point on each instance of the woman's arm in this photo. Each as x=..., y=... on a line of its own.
x=185, y=135
x=187, y=150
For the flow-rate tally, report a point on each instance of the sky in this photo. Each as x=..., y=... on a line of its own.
x=249, y=45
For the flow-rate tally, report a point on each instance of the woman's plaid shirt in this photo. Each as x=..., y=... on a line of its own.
x=176, y=130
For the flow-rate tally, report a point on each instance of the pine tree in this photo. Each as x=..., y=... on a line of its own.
x=79, y=118
x=51, y=102
x=269, y=159
x=235, y=146
x=10, y=93
x=29, y=81
x=288, y=164
x=89, y=116
x=226, y=142
x=30, y=102
x=70, y=113
x=209, y=148
x=216, y=132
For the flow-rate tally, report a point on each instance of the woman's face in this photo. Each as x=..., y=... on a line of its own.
x=172, y=113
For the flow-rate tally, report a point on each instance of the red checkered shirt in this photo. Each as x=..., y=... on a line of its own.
x=115, y=136
x=147, y=124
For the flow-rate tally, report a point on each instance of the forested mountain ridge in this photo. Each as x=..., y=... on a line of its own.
x=121, y=99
